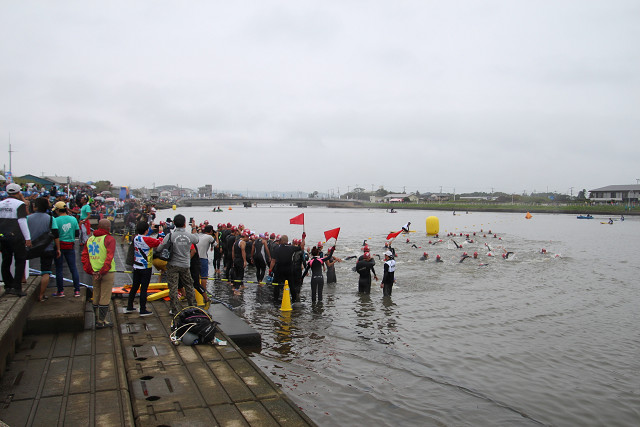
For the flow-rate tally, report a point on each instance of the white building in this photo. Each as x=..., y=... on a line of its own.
x=615, y=194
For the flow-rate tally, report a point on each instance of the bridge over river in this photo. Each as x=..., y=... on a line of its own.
x=252, y=201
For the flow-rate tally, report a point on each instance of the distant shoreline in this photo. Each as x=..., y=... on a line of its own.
x=614, y=211
x=568, y=209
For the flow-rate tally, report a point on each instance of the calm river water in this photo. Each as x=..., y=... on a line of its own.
x=535, y=339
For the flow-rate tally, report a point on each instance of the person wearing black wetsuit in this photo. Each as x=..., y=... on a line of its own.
x=298, y=260
x=217, y=250
x=330, y=263
x=388, y=277
x=281, y=265
x=261, y=257
x=364, y=267
x=317, y=279
x=239, y=258
x=228, y=251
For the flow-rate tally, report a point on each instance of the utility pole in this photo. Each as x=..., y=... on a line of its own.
x=10, y=151
x=571, y=189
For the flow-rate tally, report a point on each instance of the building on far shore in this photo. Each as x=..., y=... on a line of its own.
x=615, y=194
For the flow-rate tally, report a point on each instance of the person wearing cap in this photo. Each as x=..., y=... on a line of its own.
x=98, y=261
x=206, y=243
x=261, y=256
x=281, y=265
x=84, y=223
x=388, y=277
x=239, y=256
x=364, y=267
x=316, y=264
x=15, y=238
x=67, y=228
x=217, y=249
x=229, y=241
x=178, y=271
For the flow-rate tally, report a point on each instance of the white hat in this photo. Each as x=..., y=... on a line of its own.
x=13, y=188
x=388, y=253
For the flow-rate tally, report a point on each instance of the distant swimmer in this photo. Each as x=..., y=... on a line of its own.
x=350, y=257
x=464, y=256
x=488, y=247
x=506, y=254
x=405, y=227
x=456, y=243
x=543, y=251
x=438, y=258
x=414, y=246
x=424, y=257
x=475, y=255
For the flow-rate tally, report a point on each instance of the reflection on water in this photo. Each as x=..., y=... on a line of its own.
x=536, y=338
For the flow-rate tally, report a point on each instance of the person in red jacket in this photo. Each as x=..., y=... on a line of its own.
x=98, y=260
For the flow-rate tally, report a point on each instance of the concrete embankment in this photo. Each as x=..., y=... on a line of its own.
x=59, y=370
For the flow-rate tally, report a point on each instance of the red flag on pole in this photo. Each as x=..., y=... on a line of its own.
x=297, y=219
x=393, y=235
x=332, y=233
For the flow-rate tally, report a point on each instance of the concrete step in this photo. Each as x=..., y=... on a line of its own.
x=54, y=315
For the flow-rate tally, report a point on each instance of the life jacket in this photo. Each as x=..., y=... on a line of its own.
x=98, y=253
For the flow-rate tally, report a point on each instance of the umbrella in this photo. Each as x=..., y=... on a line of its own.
x=99, y=198
x=110, y=199
x=105, y=193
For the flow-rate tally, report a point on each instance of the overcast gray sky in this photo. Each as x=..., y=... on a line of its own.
x=320, y=95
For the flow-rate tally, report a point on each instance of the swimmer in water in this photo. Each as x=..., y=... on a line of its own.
x=414, y=246
x=506, y=254
x=464, y=256
x=424, y=257
x=350, y=257
x=456, y=243
x=438, y=258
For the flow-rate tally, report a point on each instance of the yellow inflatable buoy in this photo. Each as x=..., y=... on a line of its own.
x=158, y=295
x=528, y=215
x=173, y=207
x=433, y=225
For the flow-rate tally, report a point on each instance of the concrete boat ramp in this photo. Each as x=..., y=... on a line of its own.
x=57, y=370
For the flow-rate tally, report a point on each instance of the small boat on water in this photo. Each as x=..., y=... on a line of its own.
x=585, y=216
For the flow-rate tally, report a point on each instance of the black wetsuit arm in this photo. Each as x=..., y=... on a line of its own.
x=306, y=270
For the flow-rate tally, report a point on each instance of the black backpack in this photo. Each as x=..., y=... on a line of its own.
x=193, y=326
